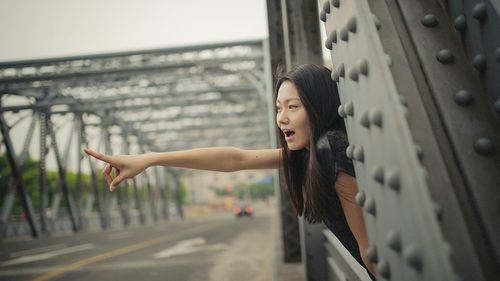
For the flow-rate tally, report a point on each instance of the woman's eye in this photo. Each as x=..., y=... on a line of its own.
x=292, y=106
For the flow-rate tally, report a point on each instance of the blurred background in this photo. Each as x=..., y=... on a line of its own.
x=131, y=77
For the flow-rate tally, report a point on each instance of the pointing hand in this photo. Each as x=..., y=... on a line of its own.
x=125, y=166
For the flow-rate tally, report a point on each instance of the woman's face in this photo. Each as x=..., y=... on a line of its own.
x=292, y=117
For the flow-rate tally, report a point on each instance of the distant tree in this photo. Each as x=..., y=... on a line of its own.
x=254, y=190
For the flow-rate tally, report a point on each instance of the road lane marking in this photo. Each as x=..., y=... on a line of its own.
x=37, y=250
x=48, y=255
x=120, y=235
x=181, y=248
x=218, y=247
x=117, y=252
x=188, y=247
x=16, y=272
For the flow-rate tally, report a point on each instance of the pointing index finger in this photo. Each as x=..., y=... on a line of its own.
x=97, y=155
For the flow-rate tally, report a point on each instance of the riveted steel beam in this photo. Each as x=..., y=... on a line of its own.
x=126, y=102
x=15, y=169
x=407, y=244
x=471, y=131
x=476, y=24
x=62, y=183
x=95, y=65
x=9, y=192
x=138, y=203
x=78, y=130
x=422, y=117
x=303, y=45
x=158, y=118
x=42, y=172
x=94, y=186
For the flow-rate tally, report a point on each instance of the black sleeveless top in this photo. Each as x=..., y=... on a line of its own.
x=336, y=220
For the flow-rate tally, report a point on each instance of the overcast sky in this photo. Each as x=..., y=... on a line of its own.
x=52, y=28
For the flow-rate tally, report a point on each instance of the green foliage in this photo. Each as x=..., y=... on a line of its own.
x=184, y=193
x=261, y=190
x=31, y=182
x=245, y=190
x=220, y=192
x=4, y=172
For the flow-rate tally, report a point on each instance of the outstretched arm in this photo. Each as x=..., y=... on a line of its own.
x=223, y=159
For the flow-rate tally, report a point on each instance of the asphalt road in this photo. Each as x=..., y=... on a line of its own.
x=222, y=248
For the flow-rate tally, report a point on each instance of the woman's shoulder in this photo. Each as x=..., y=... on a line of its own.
x=337, y=140
x=338, y=144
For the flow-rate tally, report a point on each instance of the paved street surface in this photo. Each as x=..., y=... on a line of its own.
x=211, y=248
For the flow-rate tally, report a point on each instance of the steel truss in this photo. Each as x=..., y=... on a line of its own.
x=130, y=102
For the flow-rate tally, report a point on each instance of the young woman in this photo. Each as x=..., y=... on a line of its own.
x=320, y=178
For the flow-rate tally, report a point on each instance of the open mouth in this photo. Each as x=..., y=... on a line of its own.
x=288, y=133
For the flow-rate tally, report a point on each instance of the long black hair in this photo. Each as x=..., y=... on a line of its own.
x=309, y=172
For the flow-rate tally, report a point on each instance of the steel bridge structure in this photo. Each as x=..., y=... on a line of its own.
x=131, y=102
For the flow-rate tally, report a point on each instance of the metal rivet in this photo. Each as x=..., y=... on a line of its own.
x=335, y=75
x=364, y=120
x=402, y=100
x=335, y=3
x=349, y=108
x=460, y=23
x=388, y=60
x=479, y=62
x=394, y=240
x=497, y=106
x=370, y=206
x=419, y=151
x=438, y=210
x=429, y=20
x=378, y=174
x=341, y=70
x=349, y=151
x=376, y=21
x=351, y=24
x=463, y=98
x=371, y=253
x=383, y=269
x=392, y=178
x=479, y=11
x=344, y=35
x=326, y=7
x=484, y=146
x=328, y=43
x=376, y=117
x=341, y=111
x=413, y=257
x=332, y=38
x=405, y=112
x=353, y=73
x=446, y=248
x=445, y=56
x=360, y=198
x=322, y=16
x=363, y=67
x=359, y=153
